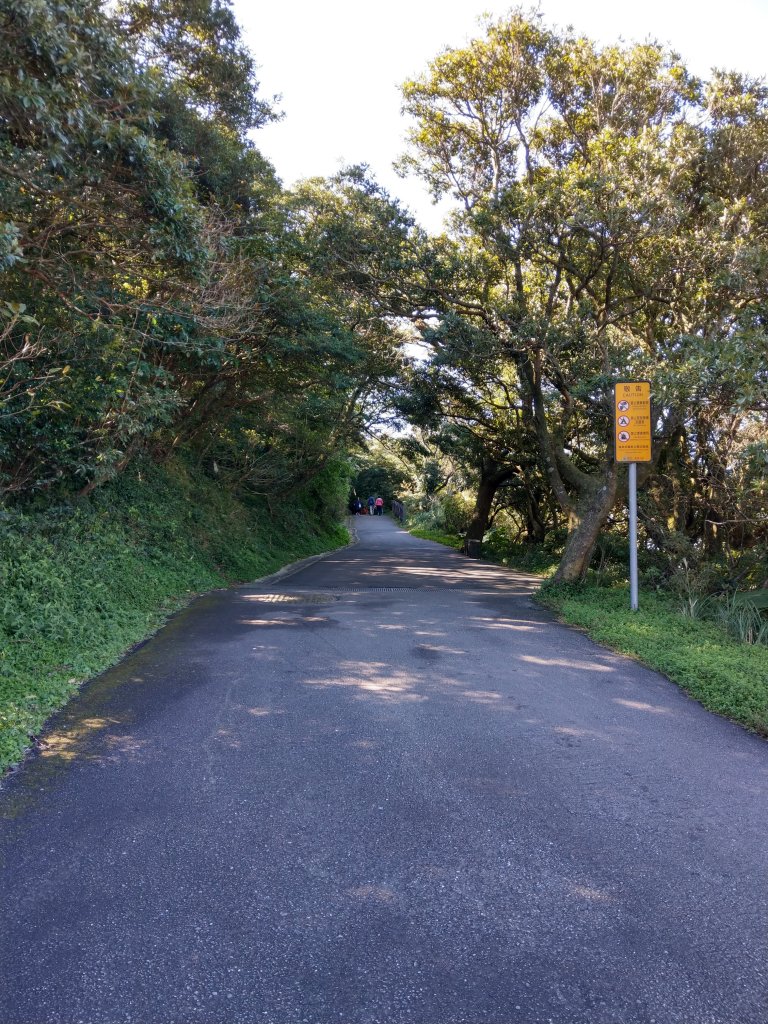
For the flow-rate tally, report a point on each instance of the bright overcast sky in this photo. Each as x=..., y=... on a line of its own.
x=338, y=64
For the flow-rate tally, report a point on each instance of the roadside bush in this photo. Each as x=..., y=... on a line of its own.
x=740, y=618
x=448, y=513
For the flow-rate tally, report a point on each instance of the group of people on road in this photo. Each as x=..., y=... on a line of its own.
x=373, y=507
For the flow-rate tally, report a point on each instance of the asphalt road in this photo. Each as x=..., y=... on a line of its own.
x=388, y=789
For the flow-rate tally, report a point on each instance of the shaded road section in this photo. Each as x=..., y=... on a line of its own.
x=388, y=789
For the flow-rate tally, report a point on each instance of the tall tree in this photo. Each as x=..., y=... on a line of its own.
x=466, y=398
x=585, y=175
x=97, y=214
x=196, y=49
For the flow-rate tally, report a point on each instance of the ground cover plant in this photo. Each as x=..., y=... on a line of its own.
x=82, y=582
x=536, y=560
x=727, y=676
x=451, y=540
x=707, y=656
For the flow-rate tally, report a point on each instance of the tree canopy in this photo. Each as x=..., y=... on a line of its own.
x=613, y=211
x=163, y=291
x=160, y=288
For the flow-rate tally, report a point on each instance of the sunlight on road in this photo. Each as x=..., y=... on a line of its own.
x=638, y=705
x=486, y=622
x=593, y=895
x=569, y=730
x=569, y=663
x=68, y=743
x=283, y=621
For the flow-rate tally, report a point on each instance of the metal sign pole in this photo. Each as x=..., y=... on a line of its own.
x=633, y=536
x=633, y=443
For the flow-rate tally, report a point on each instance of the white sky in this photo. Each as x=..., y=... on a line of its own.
x=338, y=64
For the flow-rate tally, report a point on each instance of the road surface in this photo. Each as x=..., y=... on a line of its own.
x=388, y=789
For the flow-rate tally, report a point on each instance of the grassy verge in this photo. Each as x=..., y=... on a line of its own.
x=726, y=676
x=522, y=557
x=451, y=540
x=82, y=583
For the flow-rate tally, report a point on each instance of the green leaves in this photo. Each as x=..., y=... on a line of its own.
x=612, y=222
x=10, y=248
x=196, y=45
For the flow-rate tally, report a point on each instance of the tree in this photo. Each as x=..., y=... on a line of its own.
x=207, y=97
x=465, y=398
x=357, y=250
x=586, y=176
x=159, y=293
x=98, y=214
x=195, y=49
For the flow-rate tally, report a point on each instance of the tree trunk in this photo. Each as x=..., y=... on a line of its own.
x=535, y=527
x=486, y=492
x=492, y=476
x=586, y=521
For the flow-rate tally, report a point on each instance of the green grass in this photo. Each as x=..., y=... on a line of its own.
x=82, y=583
x=726, y=676
x=450, y=540
x=536, y=560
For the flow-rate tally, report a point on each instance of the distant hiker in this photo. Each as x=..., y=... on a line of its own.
x=379, y=506
x=358, y=507
x=371, y=505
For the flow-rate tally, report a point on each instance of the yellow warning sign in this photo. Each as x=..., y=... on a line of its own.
x=632, y=421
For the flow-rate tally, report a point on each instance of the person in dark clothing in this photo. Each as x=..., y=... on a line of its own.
x=371, y=505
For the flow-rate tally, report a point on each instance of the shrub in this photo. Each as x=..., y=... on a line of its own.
x=741, y=619
x=448, y=513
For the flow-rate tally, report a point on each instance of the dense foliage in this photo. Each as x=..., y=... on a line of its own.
x=612, y=224
x=160, y=289
x=163, y=291
x=187, y=350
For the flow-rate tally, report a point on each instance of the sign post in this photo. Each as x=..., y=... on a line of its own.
x=633, y=584
x=632, y=439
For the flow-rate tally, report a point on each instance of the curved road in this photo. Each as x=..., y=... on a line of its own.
x=388, y=789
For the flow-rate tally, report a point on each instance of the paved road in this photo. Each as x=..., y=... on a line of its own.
x=387, y=790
